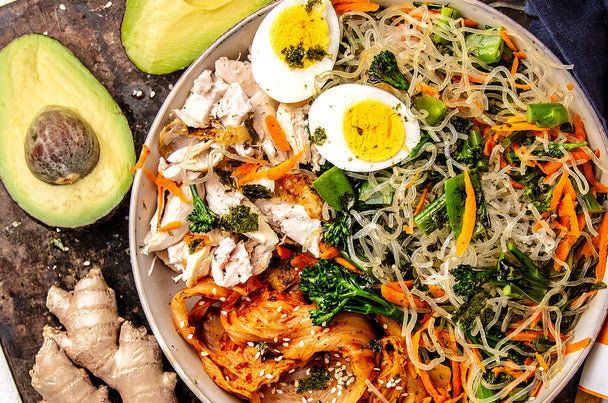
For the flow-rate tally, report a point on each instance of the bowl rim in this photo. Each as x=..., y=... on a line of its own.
x=601, y=304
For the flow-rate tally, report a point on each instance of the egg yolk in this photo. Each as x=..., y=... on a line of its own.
x=300, y=37
x=373, y=131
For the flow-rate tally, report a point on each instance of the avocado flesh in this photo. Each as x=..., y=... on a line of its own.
x=36, y=71
x=162, y=36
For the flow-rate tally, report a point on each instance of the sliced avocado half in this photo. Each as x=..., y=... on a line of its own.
x=37, y=71
x=162, y=36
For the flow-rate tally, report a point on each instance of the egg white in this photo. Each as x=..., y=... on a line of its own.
x=273, y=75
x=328, y=110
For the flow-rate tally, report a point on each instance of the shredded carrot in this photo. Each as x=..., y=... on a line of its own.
x=600, y=269
x=536, y=389
x=514, y=66
x=579, y=345
x=570, y=86
x=520, y=55
x=281, y=170
x=579, y=128
x=542, y=362
x=277, y=133
x=436, y=291
x=245, y=169
x=161, y=205
x=517, y=185
x=302, y=260
x=515, y=126
x=549, y=168
x=558, y=190
x=469, y=23
x=283, y=252
x=410, y=183
x=427, y=89
x=422, y=199
x=523, y=86
x=145, y=151
x=469, y=218
x=505, y=37
x=171, y=226
x=327, y=251
x=393, y=292
x=346, y=264
x=344, y=6
x=477, y=357
x=165, y=183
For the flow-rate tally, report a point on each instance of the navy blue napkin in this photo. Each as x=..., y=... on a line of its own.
x=577, y=32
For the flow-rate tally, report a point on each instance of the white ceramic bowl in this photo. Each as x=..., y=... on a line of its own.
x=156, y=289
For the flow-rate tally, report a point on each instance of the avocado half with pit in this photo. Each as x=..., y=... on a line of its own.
x=36, y=72
x=162, y=36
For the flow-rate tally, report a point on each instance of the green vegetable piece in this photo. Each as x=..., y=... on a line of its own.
x=591, y=202
x=447, y=12
x=384, y=69
x=433, y=106
x=239, y=219
x=334, y=288
x=433, y=216
x=472, y=152
x=202, y=219
x=486, y=47
x=547, y=115
x=256, y=191
x=318, y=137
x=334, y=187
x=317, y=380
x=455, y=195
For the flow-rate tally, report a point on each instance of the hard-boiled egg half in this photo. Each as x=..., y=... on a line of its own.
x=296, y=41
x=362, y=128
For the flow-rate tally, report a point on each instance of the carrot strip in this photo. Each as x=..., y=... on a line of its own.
x=342, y=7
x=558, y=190
x=303, y=260
x=514, y=66
x=346, y=264
x=600, y=269
x=327, y=251
x=145, y=151
x=427, y=89
x=520, y=55
x=579, y=345
x=469, y=23
x=579, y=128
x=515, y=126
x=422, y=199
x=505, y=37
x=277, y=133
x=397, y=296
x=542, y=362
x=469, y=217
x=523, y=86
x=171, y=226
x=245, y=169
x=281, y=170
x=549, y=168
x=167, y=184
x=283, y=252
x=436, y=291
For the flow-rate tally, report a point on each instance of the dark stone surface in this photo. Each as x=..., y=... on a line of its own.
x=29, y=265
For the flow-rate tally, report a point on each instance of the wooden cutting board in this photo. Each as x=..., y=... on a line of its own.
x=29, y=265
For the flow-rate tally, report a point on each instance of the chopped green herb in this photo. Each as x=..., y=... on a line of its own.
x=317, y=380
x=57, y=243
x=294, y=55
x=319, y=137
x=256, y=191
x=239, y=219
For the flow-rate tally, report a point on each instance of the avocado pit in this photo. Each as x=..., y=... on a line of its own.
x=60, y=146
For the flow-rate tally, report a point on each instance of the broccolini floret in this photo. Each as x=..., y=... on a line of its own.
x=527, y=281
x=202, y=219
x=336, y=232
x=333, y=289
x=384, y=69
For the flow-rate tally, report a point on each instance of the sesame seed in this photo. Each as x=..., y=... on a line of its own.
x=280, y=308
x=250, y=344
x=269, y=376
x=214, y=291
x=204, y=354
x=283, y=316
x=182, y=324
x=276, y=339
x=223, y=299
x=301, y=343
x=224, y=313
x=312, y=332
x=190, y=336
x=261, y=373
x=108, y=4
x=257, y=355
x=285, y=344
x=296, y=308
x=62, y=7
x=286, y=339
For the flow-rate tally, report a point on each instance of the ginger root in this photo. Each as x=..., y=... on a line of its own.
x=96, y=338
x=56, y=378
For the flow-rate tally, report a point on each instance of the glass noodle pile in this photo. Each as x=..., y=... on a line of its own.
x=481, y=249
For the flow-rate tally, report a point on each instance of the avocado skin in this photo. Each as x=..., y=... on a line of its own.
x=163, y=36
x=37, y=71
